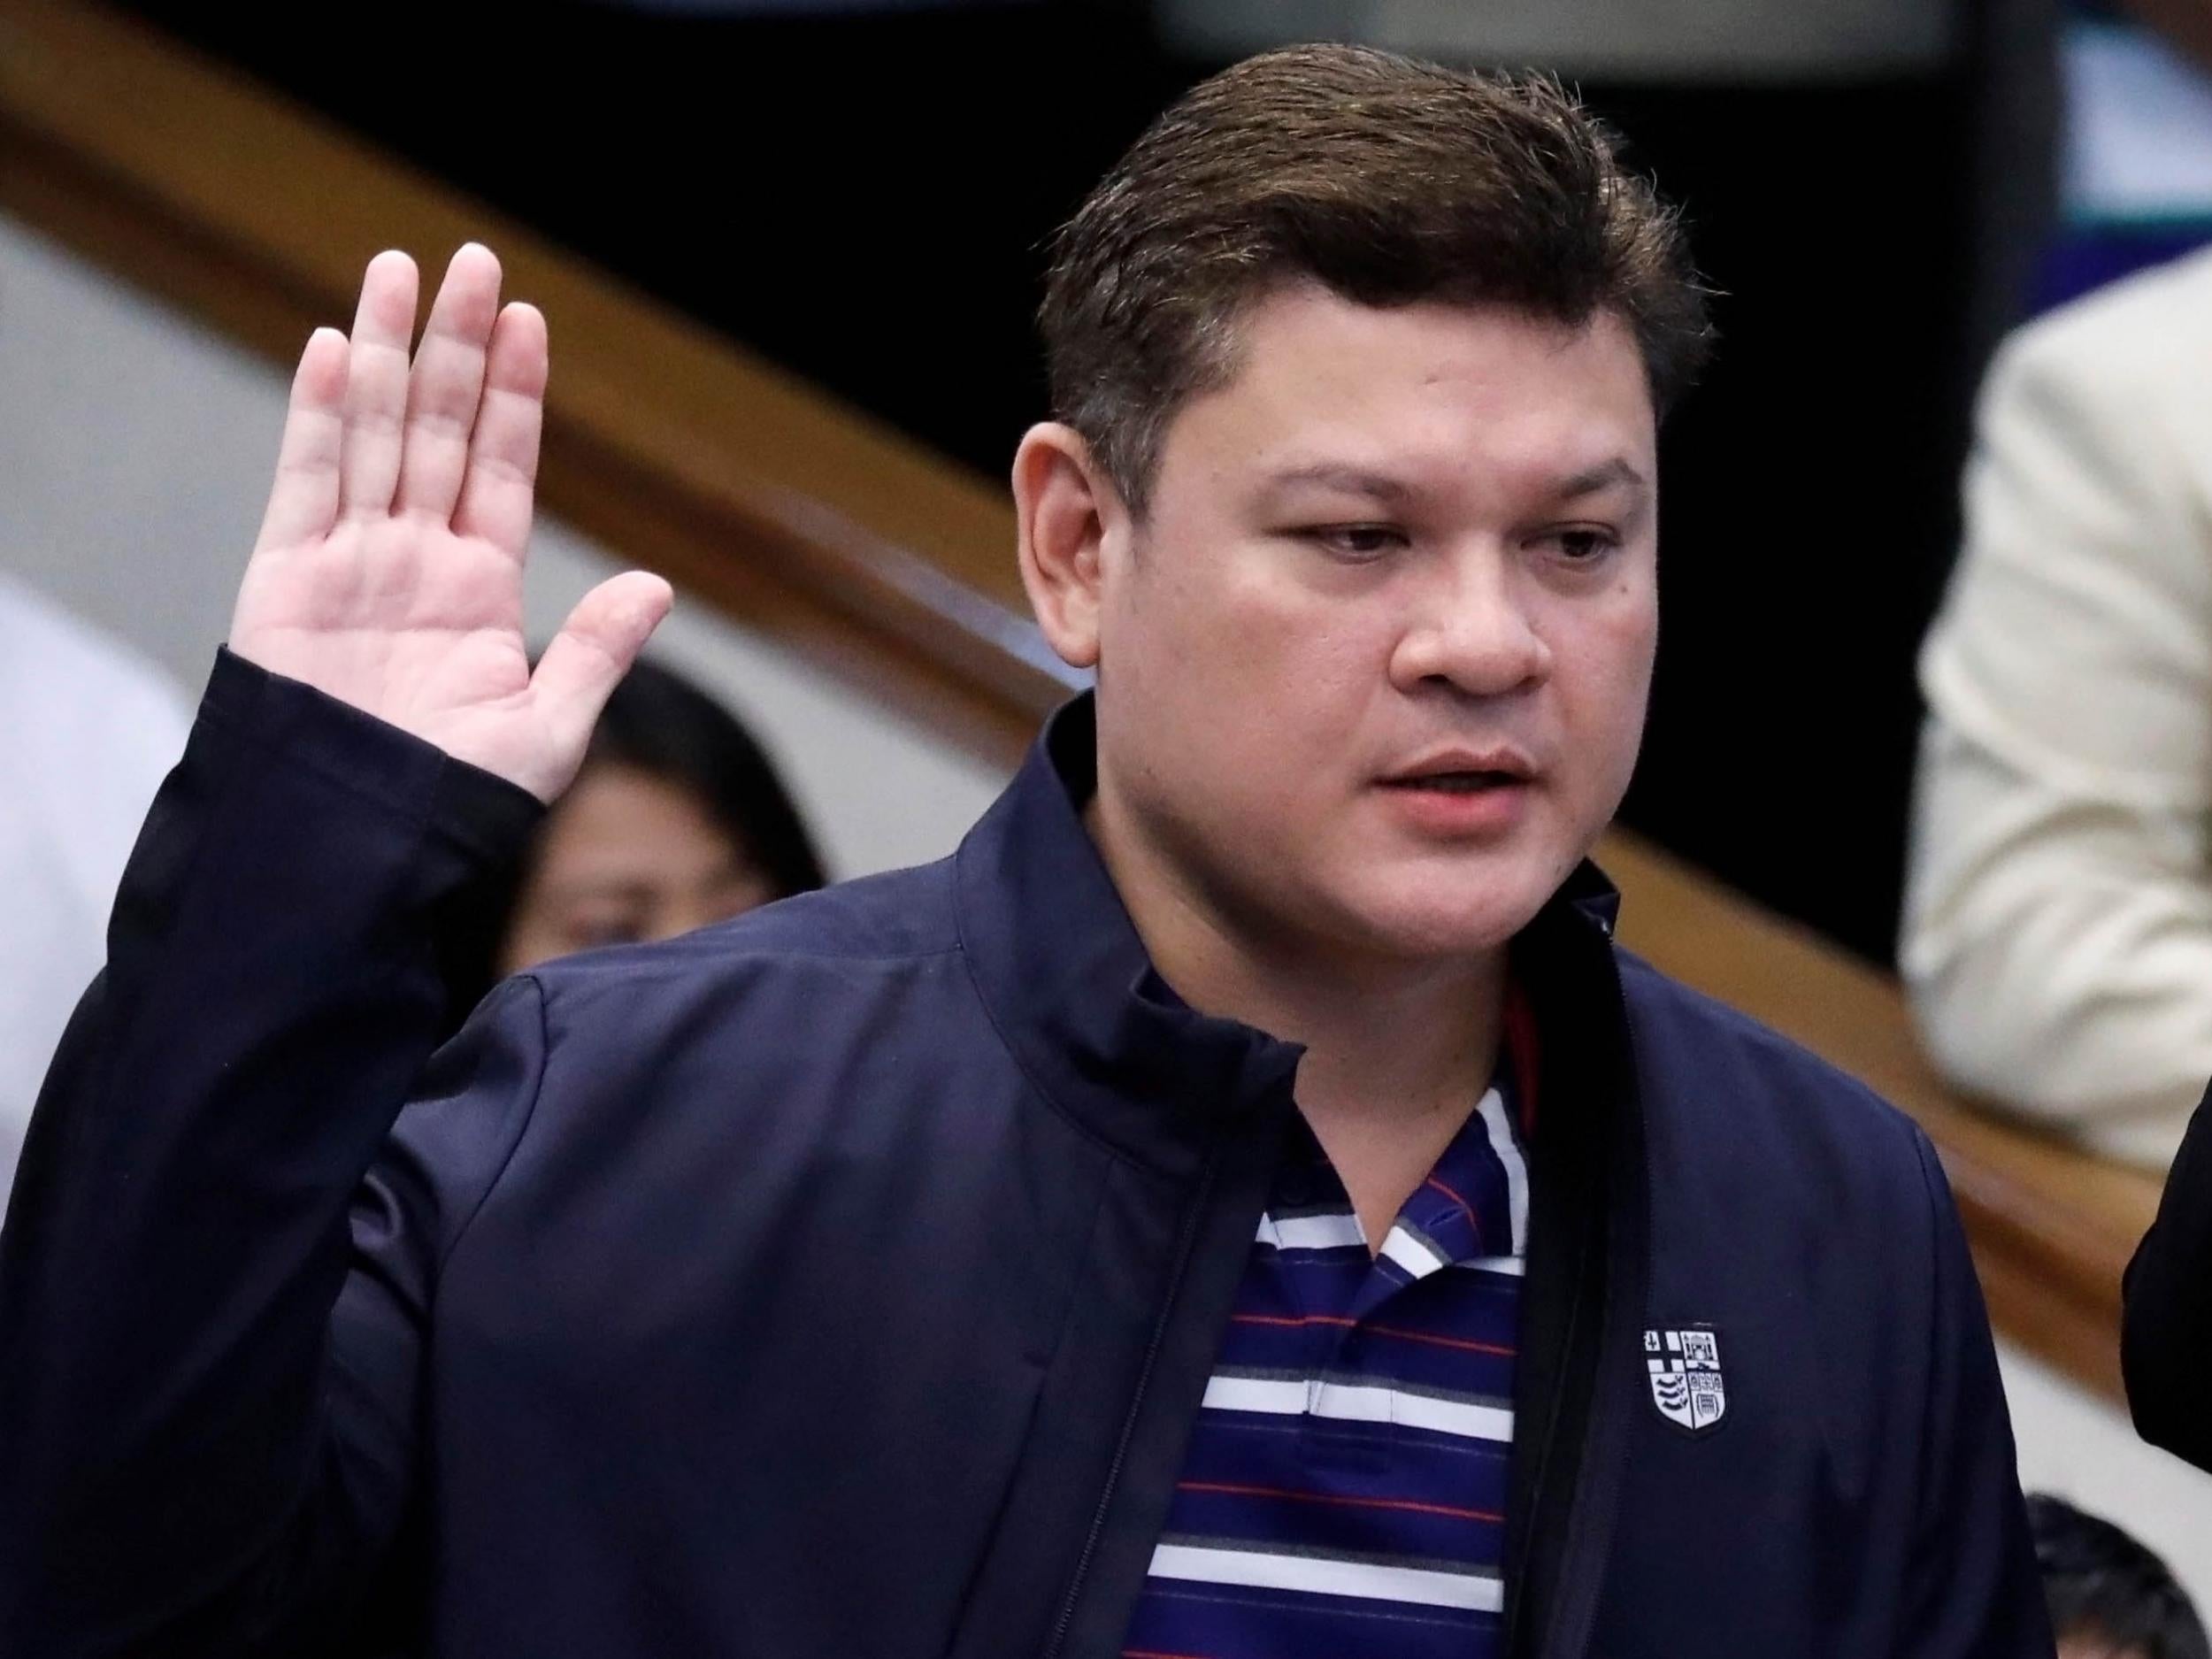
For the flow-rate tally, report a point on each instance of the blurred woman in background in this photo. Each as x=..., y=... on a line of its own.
x=678, y=820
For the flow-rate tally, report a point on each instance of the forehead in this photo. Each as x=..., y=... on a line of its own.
x=618, y=817
x=1319, y=380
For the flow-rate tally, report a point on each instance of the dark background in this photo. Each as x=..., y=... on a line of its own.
x=864, y=199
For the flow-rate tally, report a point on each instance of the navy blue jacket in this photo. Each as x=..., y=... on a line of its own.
x=842, y=1281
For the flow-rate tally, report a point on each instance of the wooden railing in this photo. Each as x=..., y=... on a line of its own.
x=810, y=522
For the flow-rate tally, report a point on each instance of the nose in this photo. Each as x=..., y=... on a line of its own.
x=1472, y=630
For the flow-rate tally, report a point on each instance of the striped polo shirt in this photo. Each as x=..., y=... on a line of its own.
x=1344, y=1489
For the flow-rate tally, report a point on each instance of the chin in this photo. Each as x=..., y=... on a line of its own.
x=1454, y=903
x=1430, y=923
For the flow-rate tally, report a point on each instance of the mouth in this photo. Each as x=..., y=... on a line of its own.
x=1465, y=792
x=1471, y=781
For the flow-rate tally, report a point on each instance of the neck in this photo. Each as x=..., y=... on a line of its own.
x=1398, y=1050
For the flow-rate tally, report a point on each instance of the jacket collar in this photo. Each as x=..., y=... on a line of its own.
x=1074, y=994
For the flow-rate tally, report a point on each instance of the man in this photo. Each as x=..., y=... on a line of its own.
x=1240, y=1204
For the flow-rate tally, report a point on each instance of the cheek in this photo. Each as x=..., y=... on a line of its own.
x=1196, y=631
x=1229, y=699
x=530, y=939
x=1604, y=656
x=1628, y=623
x=1278, y=693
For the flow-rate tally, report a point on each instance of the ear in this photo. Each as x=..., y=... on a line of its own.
x=1065, y=509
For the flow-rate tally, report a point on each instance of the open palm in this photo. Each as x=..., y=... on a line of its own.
x=389, y=570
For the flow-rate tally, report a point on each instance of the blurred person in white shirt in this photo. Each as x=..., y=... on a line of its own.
x=2058, y=918
x=87, y=732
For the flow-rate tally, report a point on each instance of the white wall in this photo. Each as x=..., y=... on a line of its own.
x=134, y=451
x=134, y=457
x=2073, y=1444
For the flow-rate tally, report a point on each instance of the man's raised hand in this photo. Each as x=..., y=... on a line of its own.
x=389, y=570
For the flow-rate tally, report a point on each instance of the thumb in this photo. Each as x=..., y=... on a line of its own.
x=593, y=649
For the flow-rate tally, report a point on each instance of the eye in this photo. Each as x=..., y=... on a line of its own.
x=1582, y=544
x=1355, y=544
x=591, y=933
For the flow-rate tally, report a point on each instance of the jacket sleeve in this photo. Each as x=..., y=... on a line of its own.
x=210, y=1309
x=2167, y=1331
x=2057, y=941
x=1974, y=1590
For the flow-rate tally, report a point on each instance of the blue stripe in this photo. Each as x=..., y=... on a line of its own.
x=1211, y=1622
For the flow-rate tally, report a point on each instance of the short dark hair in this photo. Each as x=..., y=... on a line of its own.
x=2102, y=1585
x=1386, y=179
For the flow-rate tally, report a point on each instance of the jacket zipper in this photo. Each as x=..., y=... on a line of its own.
x=1183, y=1246
x=1538, y=1486
x=1569, y=1636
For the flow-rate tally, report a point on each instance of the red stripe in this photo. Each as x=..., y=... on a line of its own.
x=1228, y=1490
x=1473, y=1219
x=1465, y=1344
x=1284, y=1318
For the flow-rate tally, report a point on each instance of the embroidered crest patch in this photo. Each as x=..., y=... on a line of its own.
x=1686, y=1384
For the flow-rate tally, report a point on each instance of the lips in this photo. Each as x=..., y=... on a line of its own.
x=1464, y=771
x=1463, y=794
x=1457, y=782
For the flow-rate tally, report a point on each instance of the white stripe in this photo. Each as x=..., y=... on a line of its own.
x=1359, y=1402
x=1312, y=1233
x=1512, y=1264
x=1320, y=1575
x=1508, y=1151
x=1410, y=1253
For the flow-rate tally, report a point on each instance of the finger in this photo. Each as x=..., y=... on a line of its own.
x=592, y=652
x=303, y=501
x=446, y=382
x=376, y=387
x=499, y=485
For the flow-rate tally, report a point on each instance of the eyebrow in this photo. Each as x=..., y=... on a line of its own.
x=1382, y=486
x=1619, y=470
x=592, y=887
x=632, y=890
x=1352, y=481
